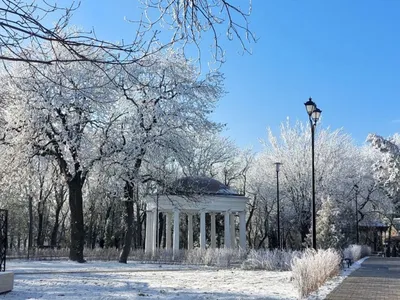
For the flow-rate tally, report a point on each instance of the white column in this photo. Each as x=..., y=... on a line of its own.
x=202, y=229
x=227, y=232
x=233, y=230
x=213, y=241
x=168, y=232
x=151, y=231
x=190, y=231
x=154, y=232
x=147, y=246
x=176, y=231
x=242, y=229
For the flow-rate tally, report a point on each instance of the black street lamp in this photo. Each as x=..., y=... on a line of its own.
x=357, y=231
x=278, y=165
x=313, y=114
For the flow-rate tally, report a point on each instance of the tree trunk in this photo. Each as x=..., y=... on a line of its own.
x=54, y=232
x=76, y=212
x=161, y=228
x=30, y=233
x=128, y=202
x=139, y=222
x=108, y=227
x=40, y=237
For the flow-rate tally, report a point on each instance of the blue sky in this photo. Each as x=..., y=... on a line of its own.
x=345, y=54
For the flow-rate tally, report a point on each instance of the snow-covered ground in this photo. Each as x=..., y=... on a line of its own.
x=50, y=280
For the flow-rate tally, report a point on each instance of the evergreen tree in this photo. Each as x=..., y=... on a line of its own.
x=329, y=234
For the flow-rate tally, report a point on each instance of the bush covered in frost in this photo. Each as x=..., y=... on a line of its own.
x=214, y=257
x=313, y=268
x=356, y=252
x=275, y=260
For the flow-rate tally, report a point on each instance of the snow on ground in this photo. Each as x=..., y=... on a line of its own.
x=106, y=280
x=48, y=280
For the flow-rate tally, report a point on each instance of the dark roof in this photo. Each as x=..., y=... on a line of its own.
x=373, y=224
x=200, y=185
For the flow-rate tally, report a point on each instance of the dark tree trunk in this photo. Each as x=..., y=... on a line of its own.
x=108, y=227
x=61, y=236
x=76, y=211
x=40, y=237
x=59, y=197
x=56, y=225
x=92, y=227
x=128, y=202
x=30, y=233
x=139, y=222
x=94, y=237
x=160, y=229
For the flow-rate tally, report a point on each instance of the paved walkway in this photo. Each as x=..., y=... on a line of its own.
x=378, y=278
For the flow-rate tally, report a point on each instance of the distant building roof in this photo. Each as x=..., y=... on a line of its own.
x=373, y=224
x=200, y=185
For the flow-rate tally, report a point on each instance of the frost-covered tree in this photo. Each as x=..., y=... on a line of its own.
x=385, y=172
x=190, y=21
x=163, y=105
x=329, y=233
x=26, y=27
x=387, y=167
x=61, y=111
x=337, y=161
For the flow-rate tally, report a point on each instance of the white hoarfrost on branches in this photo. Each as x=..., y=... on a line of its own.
x=337, y=162
x=329, y=233
x=26, y=28
x=60, y=110
x=190, y=21
x=82, y=116
x=387, y=167
x=163, y=106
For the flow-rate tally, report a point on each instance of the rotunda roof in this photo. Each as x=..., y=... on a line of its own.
x=201, y=185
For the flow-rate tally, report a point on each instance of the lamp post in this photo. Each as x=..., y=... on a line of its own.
x=357, y=231
x=313, y=115
x=277, y=166
x=157, y=237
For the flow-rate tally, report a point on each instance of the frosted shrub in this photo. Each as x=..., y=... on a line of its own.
x=227, y=257
x=164, y=255
x=195, y=256
x=356, y=252
x=210, y=257
x=313, y=268
x=214, y=257
x=275, y=260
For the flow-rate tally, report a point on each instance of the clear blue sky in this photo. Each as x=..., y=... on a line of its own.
x=343, y=53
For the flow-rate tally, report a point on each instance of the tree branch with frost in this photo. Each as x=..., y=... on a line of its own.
x=189, y=20
x=23, y=33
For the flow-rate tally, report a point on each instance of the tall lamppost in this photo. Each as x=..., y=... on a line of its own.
x=357, y=231
x=313, y=114
x=278, y=220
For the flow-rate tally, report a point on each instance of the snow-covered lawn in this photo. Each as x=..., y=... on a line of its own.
x=108, y=280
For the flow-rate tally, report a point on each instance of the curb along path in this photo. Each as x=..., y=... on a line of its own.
x=378, y=278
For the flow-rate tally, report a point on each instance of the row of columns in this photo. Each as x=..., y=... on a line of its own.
x=229, y=230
